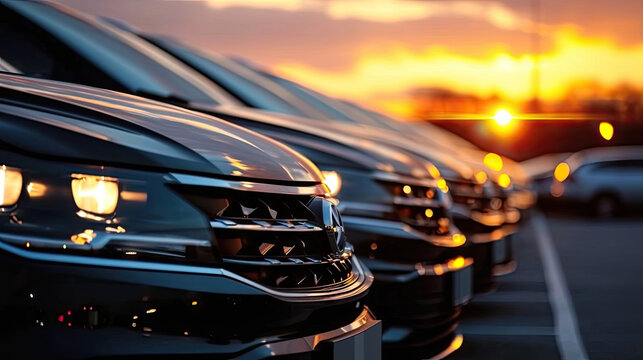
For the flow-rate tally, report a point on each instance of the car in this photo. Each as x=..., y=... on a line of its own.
x=268, y=92
x=485, y=209
x=126, y=230
x=607, y=181
x=378, y=182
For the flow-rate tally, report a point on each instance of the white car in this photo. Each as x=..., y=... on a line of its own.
x=605, y=180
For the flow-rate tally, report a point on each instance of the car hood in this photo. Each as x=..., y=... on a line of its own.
x=360, y=150
x=449, y=163
x=96, y=126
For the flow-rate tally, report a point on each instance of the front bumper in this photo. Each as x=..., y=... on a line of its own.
x=491, y=259
x=490, y=246
x=78, y=311
x=397, y=242
x=420, y=305
x=420, y=285
x=522, y=199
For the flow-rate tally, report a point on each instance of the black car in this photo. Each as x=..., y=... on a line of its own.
x=478, y=206
x=129, y=227
x=399, y=216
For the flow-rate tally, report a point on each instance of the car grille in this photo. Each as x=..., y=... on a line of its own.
x=278, y=240
x=420, y=206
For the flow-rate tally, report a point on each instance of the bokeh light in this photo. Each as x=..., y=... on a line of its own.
x=504, y=180
x=561, y=172
x=607, y=130
x=493, y=161
x=503, y=117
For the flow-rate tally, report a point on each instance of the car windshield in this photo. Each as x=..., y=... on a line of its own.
x=136, y=65
x=227, y=75
x=311, y=97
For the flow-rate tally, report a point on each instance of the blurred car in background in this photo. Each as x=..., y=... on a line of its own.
x=543, y=166
x=399, y=217
x=606, y=181
x=123, y=220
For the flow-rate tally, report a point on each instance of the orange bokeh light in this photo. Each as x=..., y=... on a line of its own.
x=606, y=129
x=493, y=161
x=561, y=172
x=504, y=180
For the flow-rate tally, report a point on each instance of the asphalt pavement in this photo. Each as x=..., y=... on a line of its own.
x=577, y=293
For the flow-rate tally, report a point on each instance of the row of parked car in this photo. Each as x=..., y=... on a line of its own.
x=158, y=201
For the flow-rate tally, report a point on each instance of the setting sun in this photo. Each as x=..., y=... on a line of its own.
x=503, y=117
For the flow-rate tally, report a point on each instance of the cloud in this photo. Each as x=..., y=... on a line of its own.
x=387, y=11
x=285, y=5
x=378, y=76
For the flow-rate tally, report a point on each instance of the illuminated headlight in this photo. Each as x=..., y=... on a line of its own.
x=481, y=177
x=442, y=185
x=10, y=186
x=333, y=181
x=95, y=194
x=99, y=211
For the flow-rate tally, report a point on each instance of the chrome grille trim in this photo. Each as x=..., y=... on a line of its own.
x=184, y=179
x=405, y=180
x=399, y=200
x=258, y=225
x=364, y=280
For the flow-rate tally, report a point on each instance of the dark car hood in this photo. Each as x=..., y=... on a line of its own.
x=324, y=137
x=98, y=126
x=405, y=152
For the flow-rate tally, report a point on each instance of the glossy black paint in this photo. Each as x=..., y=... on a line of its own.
x=69, y=300
x=76, y=312
x=250, y=85
x=334, y=149
x=108, y=127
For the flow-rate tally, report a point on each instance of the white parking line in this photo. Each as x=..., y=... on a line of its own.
x=570, y=343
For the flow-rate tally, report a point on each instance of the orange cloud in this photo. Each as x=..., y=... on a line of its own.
x=285, y=5
x=376, y=76
x=391, y=10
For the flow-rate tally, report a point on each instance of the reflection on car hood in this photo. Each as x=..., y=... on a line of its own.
x=368, y=153
x=105, y=127
x=448, y=162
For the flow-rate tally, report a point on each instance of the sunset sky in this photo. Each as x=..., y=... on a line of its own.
x=377, y=52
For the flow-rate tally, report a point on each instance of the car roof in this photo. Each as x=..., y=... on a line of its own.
x=604, y=154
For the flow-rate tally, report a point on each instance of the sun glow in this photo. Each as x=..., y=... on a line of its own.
x=379, y=75
x=503, y=117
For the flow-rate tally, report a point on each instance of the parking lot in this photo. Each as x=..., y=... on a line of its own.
x=599, y=264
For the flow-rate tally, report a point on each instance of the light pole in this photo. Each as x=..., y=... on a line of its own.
x=535, y=105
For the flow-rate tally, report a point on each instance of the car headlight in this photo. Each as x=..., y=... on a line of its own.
x=10, y=186
x=333, y=181
x=75, y=209
x=442, y=185
x=481, y=177
x=95, y=194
